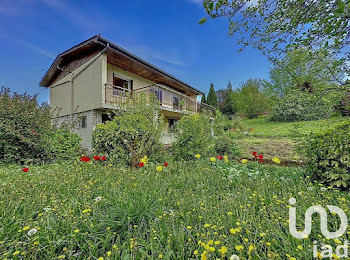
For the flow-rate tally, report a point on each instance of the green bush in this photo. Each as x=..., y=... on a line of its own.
x=327, y=155
x=26, y=132
x=62, y=145
x=193, y=135
x=132, y=134
x=224, y=145
x=301, y=106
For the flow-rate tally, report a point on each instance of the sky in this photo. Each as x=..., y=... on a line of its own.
x=164, y=33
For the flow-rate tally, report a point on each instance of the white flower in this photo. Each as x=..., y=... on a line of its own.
x=98, y=199
x=32, y=231
x=310, y=188
x=234, y=257
x=323, y=189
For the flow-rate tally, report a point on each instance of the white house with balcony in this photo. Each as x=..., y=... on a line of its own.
x=88, y=80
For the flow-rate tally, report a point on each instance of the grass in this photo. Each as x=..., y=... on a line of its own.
x=91, y=211
x=276, y=138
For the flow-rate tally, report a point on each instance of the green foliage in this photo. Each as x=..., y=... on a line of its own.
x=327, y=155
x=62, y=144
x=227, y=106
x=212, y=99
x=302, y=69
x=193, y=134
x=250, y=100
x=276, y=26
x=26, y=132
x=203, y=99
x=132, y=134
x=301, y=106
x=225, y=145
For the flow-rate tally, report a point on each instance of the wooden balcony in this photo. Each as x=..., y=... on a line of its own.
x=169, y=99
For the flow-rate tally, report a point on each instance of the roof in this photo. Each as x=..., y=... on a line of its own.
x=114, y=52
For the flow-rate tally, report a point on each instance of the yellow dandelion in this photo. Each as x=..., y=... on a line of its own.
x=239, y=247
x=109, y=253
x=195, y=252
x=16, y=252
x=61, y=257
x=244, y=161
x=160, y=256
x=223, y=250
x=198, y=156
x=212, y=159
x=159, y=168
x=25, y=228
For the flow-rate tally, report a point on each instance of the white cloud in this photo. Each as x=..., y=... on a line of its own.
x=29, y=45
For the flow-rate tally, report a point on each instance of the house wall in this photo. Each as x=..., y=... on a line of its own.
x=93, y=117
x=138, y=82
x=88, y=88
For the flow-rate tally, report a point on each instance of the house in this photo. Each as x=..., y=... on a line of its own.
x=89, y=79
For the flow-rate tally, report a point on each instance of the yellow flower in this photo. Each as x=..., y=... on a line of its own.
x=244, y=161
x=195, y=252
x=276, y=160
x=212, y=159
x=76, y=231
x=109, y=253
x=232, y=231
x=160, y=256
x=25, y=228
x=250, y=249
x=239, y=247
x=198, y=156
x=226, y=158
x=300, y=247
x=203, y=257
x=100, y=258
x=159, y=168
x=223, y=250
x=16, y=252
x=62, y=257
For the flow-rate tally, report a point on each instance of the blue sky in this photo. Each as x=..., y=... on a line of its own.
x=165, y=33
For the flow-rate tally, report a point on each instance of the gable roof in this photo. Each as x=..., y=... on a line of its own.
x=117, y=56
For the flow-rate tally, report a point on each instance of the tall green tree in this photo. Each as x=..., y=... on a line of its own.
x=275, y=27
x=305, y=72
x=203, y=100
x=250, y=99
x=228, y=105
x=212, y=98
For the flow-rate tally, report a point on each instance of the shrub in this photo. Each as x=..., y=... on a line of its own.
x=132, y=134
x=327, y=155
x=300, y=106
x=193, y=134
x=224, y=145
x=26, y=132
x=61, y=145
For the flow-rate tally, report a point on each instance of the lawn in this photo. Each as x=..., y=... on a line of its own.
x=189, y=210
x=276, y=138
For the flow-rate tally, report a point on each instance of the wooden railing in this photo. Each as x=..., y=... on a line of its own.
x=169, y=99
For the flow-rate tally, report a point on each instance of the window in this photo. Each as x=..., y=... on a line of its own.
x=107, y=117
x=83, y=122
x=121, y=86
x=158, y=93
x=172, y=122
x=175, y=102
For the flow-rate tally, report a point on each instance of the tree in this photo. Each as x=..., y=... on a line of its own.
x=212, y=98
x=275, y=27
x=250, y=100
x=228, y=105
x=305, y=72
x=203, y=100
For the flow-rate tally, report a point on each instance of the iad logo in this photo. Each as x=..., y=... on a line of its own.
x=326, y=250
x=323, y=215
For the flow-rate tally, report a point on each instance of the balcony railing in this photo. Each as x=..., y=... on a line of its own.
x=169, y=99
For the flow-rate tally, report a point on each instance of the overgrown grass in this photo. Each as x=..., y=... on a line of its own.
x=187, y=209
x=276, y=138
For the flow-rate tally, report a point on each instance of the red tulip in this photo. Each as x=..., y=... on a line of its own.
x=219, y=157
x=254, y=153
x=96, y=158
x=261, y=160
x=141, y=164
x=260, y=156
x=103, y=158
x=165, y=164
x=85, y=159
x=25, y=169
